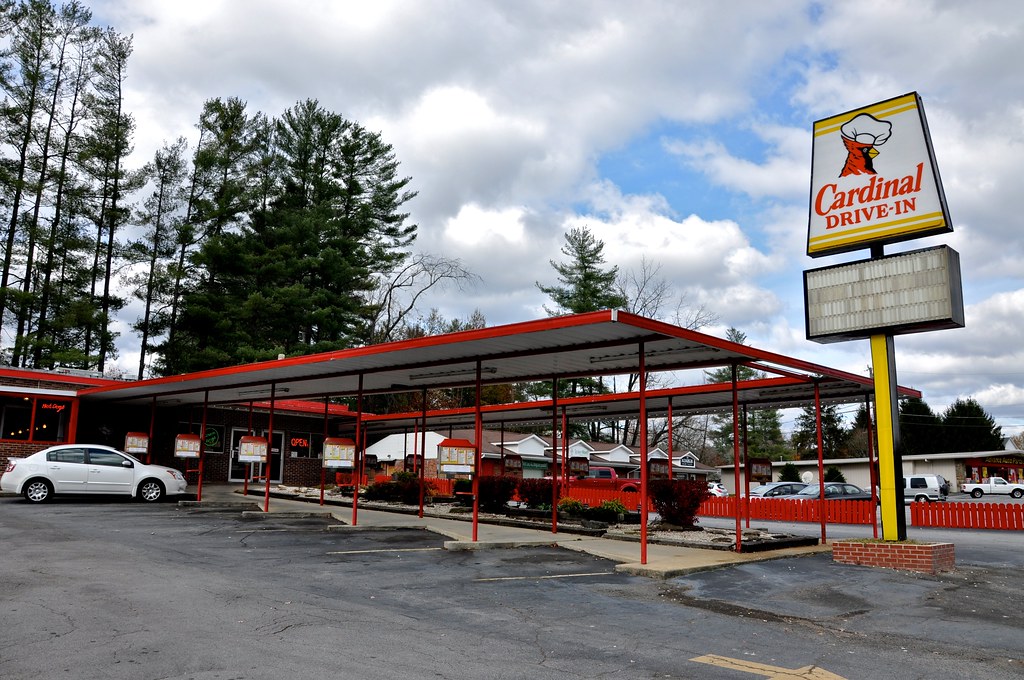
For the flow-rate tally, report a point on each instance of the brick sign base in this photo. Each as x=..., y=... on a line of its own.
x=930, y=558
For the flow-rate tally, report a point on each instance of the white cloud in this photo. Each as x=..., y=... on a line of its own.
x=782, y=174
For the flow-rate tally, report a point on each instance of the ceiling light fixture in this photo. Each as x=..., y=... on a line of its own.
x=452, y=373
x=262, y=392
x=657, y=354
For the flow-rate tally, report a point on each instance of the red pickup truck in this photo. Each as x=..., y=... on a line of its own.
x=607, y=478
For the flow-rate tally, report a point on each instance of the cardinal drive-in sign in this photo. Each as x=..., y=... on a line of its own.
x=874, y=179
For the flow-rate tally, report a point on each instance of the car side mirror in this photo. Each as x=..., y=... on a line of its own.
x=127, y=464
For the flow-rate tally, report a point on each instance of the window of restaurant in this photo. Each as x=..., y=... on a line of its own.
x=38, y=419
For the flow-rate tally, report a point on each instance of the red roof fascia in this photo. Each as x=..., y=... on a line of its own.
x=53, y=376
x=569, y=321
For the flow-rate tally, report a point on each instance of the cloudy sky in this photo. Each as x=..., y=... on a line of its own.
x=678, y=132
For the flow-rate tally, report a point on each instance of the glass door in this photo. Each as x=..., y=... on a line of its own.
x=239, y=469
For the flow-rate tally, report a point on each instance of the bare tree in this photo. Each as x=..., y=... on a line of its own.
x=647, y=293
x=396, y=297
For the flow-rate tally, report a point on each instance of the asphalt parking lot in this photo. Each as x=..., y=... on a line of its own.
x=114, y=589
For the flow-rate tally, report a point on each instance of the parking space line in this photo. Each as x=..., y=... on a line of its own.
x=537, y=578
x=381, y=550
x=767, y=671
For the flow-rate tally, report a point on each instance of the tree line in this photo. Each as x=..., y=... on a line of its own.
x=263, y=236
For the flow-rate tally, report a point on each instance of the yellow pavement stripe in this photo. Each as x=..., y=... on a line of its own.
x=805, y=673
x=537, y=578
x=381, y=550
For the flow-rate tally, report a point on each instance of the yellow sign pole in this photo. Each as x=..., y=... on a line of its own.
x=890, y=463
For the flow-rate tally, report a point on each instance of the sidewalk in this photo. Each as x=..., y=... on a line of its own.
x=663, y=561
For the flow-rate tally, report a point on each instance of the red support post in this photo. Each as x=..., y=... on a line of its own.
x=358, y=453
x=323, y=470
x=478, y=433
x=644, y=491
x=821, y=456
x=270, y=449
x=566, y=481
x=736, y=455
x=202, y=446
x=670, y=437
x=419, y=469
x=872, y=475
x=554, y=449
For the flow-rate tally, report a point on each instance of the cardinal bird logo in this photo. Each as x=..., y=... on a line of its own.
x=861, y=135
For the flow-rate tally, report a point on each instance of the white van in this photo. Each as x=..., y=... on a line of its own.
x=924, y=488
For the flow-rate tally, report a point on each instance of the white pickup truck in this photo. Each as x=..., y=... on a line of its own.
x=993, y=485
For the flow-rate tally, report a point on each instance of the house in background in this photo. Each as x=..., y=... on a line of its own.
x=394, y=453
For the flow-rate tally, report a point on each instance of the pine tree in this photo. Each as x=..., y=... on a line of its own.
x=921, y=431
x=967, y=427
x=26, y=79
x=152, y=284
x=833, y=433
x=584, y=285
x=61, y=244
x=106, y=147
x=295, y=273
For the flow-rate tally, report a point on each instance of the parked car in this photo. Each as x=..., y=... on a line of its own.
x=718, y=489
x=773, y=489
x=923, y=488
x=833, y=491
x=88, y=469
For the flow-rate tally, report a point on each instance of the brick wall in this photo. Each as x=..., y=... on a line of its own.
x=929, y=558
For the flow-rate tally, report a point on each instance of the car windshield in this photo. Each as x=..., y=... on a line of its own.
x=810, y=490
x=128, y=455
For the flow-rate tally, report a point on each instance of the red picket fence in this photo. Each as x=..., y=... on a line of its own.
x=443, y=486
x=594, y=497
x=783, y=510
x=773, y=509
x=968, y=515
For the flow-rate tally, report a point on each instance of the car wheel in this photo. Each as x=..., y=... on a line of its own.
x=151, y=491
x=977, y=493
x=1017, y=493
x=38, y=491
x=921, y=499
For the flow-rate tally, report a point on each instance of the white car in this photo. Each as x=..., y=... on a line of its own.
x=717, y=489
x=88, y=469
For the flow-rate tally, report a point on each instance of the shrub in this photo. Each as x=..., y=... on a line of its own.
x=404, y=487
x=608, y=511
x=834, y=474
x=615, y=506
x=378, y=491
x=571, y=506
x=789, y=473
x=536, y=493
x=496, y=492
x=677, y=500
